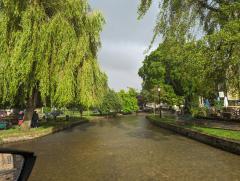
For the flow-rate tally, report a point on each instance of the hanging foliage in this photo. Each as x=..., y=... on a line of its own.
x=49, y=51
x=195, y=66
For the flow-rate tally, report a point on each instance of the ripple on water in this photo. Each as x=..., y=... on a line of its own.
x=127, y=148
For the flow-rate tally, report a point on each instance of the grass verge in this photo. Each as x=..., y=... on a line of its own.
x=45, y=128
x=222, y=133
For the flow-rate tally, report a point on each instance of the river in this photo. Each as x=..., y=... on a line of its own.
x=127, y=148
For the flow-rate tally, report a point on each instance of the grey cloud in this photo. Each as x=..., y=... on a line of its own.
x=124, y=39
x=121, y=79
x=123, y=56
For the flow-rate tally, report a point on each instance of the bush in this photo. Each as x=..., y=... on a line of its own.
x=199, y=111
x=111, y=103
x=218, y=104
x=46, y=110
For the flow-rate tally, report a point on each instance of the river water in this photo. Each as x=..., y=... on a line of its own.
x=127, y=148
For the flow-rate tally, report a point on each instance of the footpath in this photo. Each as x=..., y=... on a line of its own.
x=227, y=125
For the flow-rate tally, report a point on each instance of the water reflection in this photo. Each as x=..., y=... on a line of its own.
x=127, y=148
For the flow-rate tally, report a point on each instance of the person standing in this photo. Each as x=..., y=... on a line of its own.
x=35, y=119
x=20, y=118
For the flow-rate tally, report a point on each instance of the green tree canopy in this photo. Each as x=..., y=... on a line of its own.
x=111, y=103
x=194, y=67
x=161, y=70
x=48, y=51
x=209, y=15
x=129, y=100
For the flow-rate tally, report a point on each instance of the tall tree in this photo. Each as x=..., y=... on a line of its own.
x=48, y=52
x=129, y=100
x=207, y=14
x=111, y=103
x=194, y=67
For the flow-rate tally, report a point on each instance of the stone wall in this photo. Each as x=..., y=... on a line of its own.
x=224, y=144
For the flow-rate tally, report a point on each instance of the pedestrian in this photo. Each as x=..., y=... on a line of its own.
x=207, y=104
x=20, y=118
x=35, y=119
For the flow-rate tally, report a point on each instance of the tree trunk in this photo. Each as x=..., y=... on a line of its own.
x=28, y=118
x=81, y=113
x=31, y=105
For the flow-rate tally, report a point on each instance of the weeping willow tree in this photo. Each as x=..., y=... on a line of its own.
x=216, y=23
x=210, y=15
x=48, y=53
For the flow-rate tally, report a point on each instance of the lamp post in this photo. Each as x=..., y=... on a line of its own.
x=160, y=110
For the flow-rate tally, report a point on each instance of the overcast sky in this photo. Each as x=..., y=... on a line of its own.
x=124, y=39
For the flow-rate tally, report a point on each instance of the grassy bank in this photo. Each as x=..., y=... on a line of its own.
x=229, y=134
x=15, y=133
x=221, y=133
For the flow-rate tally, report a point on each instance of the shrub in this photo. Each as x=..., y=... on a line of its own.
x=199, y=111
x=46, y=109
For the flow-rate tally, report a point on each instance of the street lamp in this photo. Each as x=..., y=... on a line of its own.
x=160, y=110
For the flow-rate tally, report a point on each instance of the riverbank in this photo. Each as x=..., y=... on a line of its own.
x=17, y=134
x=227, y=140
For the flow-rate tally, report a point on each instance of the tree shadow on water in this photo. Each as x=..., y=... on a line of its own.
x=111, y=122
x=153, y=134
x=81, y=127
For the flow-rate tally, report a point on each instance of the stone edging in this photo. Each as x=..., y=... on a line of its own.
x=218, y=119
x=224, y=144
x=54, y=130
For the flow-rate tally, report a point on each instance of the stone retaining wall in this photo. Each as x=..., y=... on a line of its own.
x=218, y=119
x=54, y=130
x=227, y=145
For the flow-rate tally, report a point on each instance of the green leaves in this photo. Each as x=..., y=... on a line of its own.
x=195, y=67
x=111, y=103
x=144, y=7
x=50, y=47
x=180, y=18
x=122, y=101
x=129, y=100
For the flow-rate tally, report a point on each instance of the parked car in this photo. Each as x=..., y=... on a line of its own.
x=4, y=124
x=3, y=114
x=12, y=117
x=7, y=120
x=56, y=113
x=53, y=114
